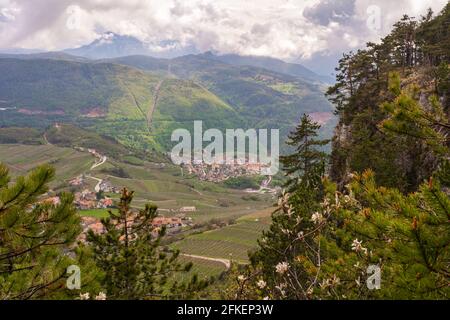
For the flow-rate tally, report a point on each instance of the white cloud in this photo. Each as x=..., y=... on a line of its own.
x=282, y=28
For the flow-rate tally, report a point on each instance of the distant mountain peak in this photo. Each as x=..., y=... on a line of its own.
x=112, y=45
x=107, y=38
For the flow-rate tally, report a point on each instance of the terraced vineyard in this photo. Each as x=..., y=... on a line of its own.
x=232, y=242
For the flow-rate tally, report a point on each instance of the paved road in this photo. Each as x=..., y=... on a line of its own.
x=98, y=164
x=226, y=262
x=97, y=187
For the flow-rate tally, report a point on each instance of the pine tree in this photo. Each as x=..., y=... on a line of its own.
x=34, y=236
x=418, y=49
x=283, y=266
x=407, y=236
x=307, y=157
x=134, y=262
x=408, y=117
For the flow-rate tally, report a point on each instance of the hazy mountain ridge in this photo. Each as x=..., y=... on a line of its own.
x=111, y=45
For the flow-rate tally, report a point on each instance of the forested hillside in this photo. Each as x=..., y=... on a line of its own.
x=377, y=226
x=141, y=100
x=113, y=100
x=419, y=51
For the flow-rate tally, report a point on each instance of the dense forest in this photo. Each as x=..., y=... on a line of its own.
x=370, y=221
x=418, y=50
x=383, y=208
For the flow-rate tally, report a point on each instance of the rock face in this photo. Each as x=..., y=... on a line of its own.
x=400, y=156
x=339, y=157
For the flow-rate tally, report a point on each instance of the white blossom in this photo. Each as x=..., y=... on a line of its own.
x=324, y=284
x=357, y=246
x=241, y=278
x=283, y=199
x=300, y=235
x=282, y=267
x=317, y=218
x=261, y=284
x=84, y=296
x=101, y=296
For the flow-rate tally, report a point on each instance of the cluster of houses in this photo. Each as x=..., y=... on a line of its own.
x=218, y=172
x=168, y=222
x=90, y=223
x=105, y=185
x=77, y=181
x=108, y=187
x=86, y=200
x=173, y=224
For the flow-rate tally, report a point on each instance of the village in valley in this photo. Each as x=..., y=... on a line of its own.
x=105, y=194
x=104, y=197
x=218, y=172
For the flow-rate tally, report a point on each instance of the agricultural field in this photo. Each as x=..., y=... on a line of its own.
x=68, y=162
x=167, y=187
x=232, y=242
x=161, y=184
x=96, y=213
x=169, y=190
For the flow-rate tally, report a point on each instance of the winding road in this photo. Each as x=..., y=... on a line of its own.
x=97, y=187
x=98, y=164
x=226, y=262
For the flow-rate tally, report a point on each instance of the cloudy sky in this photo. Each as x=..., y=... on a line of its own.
x=294, y=30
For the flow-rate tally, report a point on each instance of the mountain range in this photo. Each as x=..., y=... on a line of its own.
x=112, y=45
x=140, y=100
